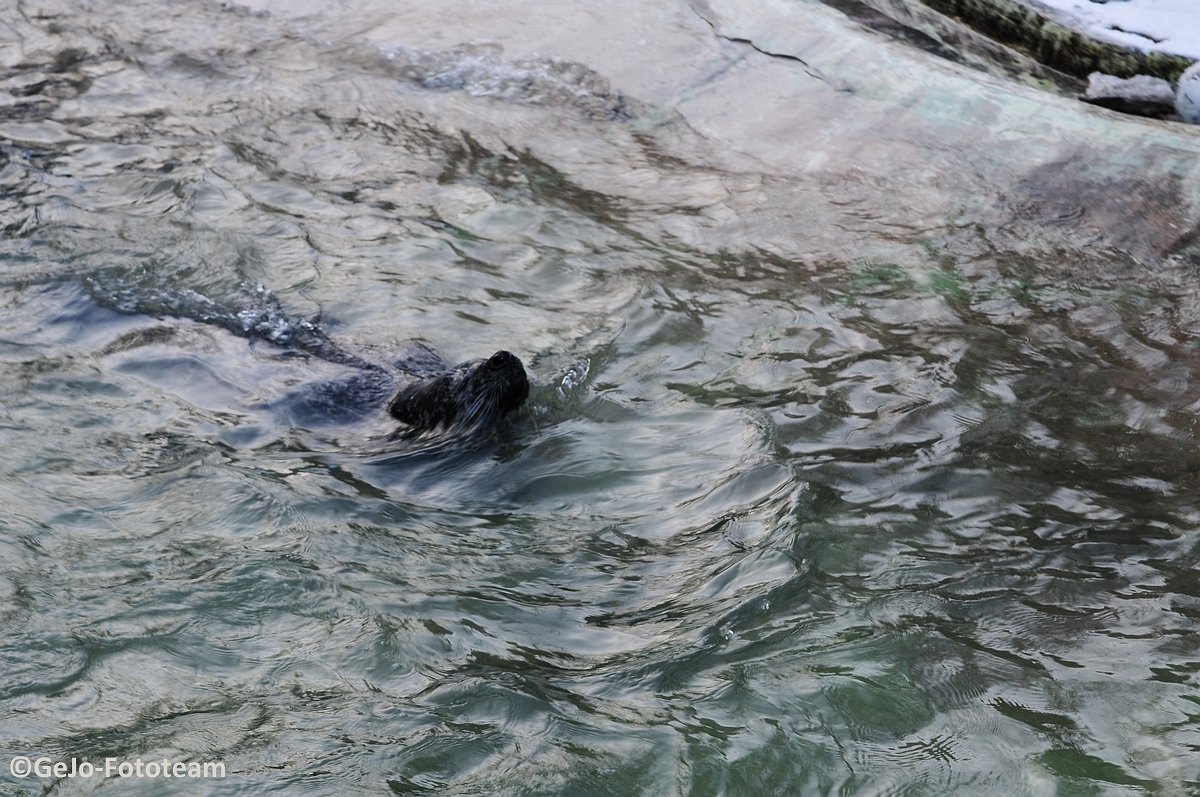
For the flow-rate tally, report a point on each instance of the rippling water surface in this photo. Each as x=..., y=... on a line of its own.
x=822, y=488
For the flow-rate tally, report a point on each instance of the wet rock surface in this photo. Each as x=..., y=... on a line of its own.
x=1058, y=45
x=1140, y=95
x=1040, y=45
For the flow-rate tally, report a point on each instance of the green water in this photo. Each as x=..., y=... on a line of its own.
x=884, y=509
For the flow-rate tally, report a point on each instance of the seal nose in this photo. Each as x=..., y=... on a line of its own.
x=502, y=360
x=508, y=372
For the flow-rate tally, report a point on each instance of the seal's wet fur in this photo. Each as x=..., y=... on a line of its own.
x=419, y=390
x=470, y=395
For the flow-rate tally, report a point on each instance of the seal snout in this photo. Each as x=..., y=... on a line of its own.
x=503, y=360
x=513, y=387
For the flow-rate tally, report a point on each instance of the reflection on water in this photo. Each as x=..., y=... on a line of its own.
x=894, y=507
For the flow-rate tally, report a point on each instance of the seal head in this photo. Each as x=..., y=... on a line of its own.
x=474, y=394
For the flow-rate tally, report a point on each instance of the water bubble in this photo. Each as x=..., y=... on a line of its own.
x=574, y=378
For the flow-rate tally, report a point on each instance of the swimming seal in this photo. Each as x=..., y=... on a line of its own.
x=473, y=394
x=432, y=395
